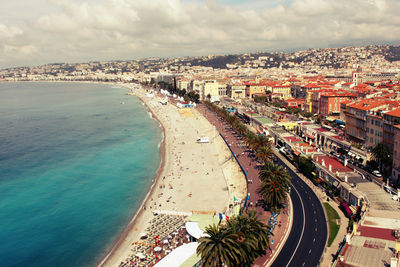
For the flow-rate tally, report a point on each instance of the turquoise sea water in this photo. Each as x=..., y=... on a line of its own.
x=75, y=164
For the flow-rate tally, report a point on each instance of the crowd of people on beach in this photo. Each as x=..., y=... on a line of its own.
x=165, y=233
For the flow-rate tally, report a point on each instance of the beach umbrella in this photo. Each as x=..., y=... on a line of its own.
x=140, y=255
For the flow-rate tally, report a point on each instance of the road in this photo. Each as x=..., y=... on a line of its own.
x=307, y=239
x=305, y=244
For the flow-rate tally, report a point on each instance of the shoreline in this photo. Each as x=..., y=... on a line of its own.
x=206, y=184
x=121, y=239
x=228, y=180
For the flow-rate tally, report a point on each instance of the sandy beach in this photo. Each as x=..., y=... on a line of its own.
x=193, y=177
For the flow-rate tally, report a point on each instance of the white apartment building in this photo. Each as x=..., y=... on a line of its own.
x=183, y=84
x=211, y=87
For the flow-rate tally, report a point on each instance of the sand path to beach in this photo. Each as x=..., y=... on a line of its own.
x=193, y=177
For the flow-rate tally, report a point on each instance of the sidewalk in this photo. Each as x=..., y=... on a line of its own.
x=249, y=165
x=331, y=251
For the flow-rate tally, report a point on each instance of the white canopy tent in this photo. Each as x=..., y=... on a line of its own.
x=193, y=229
x=178, y=256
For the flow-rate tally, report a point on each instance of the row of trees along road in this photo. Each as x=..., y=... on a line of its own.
x=244, y=238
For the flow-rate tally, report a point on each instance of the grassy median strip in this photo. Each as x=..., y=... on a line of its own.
x=333, y=226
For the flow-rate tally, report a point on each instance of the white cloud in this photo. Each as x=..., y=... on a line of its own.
x=124, y=29
x=19, y=51
x=9, y=32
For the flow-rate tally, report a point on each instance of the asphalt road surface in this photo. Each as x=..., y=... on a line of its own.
x=306, y=241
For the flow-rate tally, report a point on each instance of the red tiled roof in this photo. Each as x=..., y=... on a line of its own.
x=336, y=165
x=394, y=112
x=322, y=130
x=293, y=139
x=374, y=232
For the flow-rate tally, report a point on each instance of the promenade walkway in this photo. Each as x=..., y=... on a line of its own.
x=249, y=164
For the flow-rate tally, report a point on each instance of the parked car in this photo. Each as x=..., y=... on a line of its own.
x=376, y=173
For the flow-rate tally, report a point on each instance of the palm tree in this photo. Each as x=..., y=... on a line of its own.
x=261, y=141
x=238, y=243
x=264, y=153
x=271, y=171
x=274, y=194
x=253, y=234
x=219, y=248
x=275, y=182
x=251, y=140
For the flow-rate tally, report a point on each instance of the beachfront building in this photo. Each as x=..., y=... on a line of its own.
x=396, y=155
x=183, y=84
x=374, y=129
x=222, y=88
x=210, y=88
x=391, y=119
x=236, y=90
x=196, y=86
x=356, y=118
x=255, y=87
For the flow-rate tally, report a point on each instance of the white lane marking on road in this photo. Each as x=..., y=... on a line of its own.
x=312, y=204
x=315, y=229
x=309, y=198
x=304, y=263
x=315, y=220
x=313, y=240
x=302, y=230
x=314, y=212
x=309, y=252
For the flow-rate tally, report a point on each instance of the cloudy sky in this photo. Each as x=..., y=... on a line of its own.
x=36, y=32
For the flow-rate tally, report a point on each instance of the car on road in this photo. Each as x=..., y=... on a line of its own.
x=376, y=173
x=366, y=168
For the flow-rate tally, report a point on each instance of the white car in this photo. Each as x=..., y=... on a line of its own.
x=377, y=173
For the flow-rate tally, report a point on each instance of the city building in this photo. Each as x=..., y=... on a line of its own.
x=396, y=156
x=391, y=119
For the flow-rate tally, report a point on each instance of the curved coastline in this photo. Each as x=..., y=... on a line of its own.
x=178, y=149
x=129, y=228
x=212, y=192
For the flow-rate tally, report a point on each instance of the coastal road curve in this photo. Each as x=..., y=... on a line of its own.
x=306, y=241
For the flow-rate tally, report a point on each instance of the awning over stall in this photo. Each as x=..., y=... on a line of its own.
x=194, y=230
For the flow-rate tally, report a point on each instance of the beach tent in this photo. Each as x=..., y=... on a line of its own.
x=178, y=256
x=193, y=229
